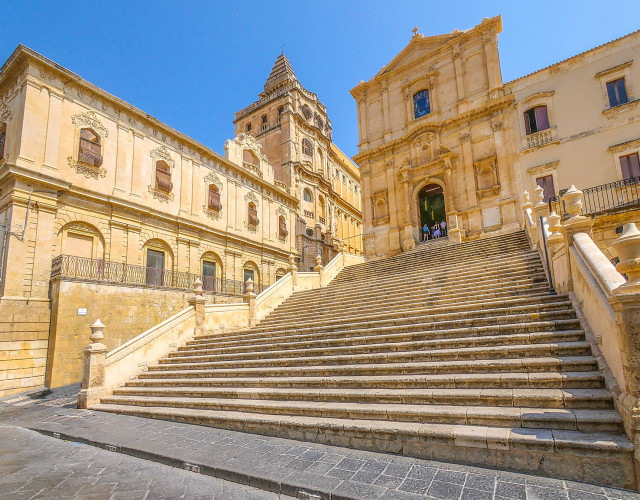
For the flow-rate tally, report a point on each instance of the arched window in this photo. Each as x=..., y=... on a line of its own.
x=253, y=214
x=421, y=104
x=163, y=177
x=321, y=206
x=282, y=227
x=307, y=147
x=280, y=112
x=307, y=195
x=306, y=112
x=89, y=149
x=3, y=139
x=248, y=127
x=264, y=124
x=214, y=198
x=249, y=156
x=536, y=119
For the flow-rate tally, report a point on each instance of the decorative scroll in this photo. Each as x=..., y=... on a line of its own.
x=162, y=153
x=161, y=195
x=89, y=119
x=87, y=170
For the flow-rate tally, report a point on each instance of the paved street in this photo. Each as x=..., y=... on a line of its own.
x=37, y=466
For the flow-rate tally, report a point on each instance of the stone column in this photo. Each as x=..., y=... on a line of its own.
x=93, y=376
x=124, y=158
x=250, y=298
x=53, y=131
x=198, y=302
x=138, y=180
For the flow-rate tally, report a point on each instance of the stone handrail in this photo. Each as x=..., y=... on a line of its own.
x=601, y=268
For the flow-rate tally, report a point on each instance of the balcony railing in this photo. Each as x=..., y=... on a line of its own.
x=619, y=195
x=322, y=220
x=540, y=138
x=83, y=269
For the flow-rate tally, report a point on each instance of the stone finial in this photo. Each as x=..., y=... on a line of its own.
x=197, y=286
x=554, y=228
x=292, y=261
x=249, y=286
x=318, y=260
x=627, y=247
x=539, y=194
x=572, y=199
x=526, y=200
x=96, y=332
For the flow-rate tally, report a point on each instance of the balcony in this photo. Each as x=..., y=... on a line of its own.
x=70, y=267
x=322, y=220
x=539, y=139
x=308, y=214
x=612, y=197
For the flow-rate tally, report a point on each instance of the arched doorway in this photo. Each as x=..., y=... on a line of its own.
x=431, y=209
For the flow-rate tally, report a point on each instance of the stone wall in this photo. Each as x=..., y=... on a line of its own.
x=24, y=334
x=126, y=312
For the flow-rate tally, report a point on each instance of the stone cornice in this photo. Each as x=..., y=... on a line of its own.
x=484, y=111
x=382, y=78
x=624, y=146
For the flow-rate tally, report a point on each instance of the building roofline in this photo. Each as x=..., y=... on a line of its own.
x=568, y=59
x=350, y=164
x=24, y=52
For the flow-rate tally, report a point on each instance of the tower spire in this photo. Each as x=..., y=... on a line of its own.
x=281, y=73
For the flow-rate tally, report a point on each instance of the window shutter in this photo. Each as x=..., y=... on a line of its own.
x=214, y=200
x=163, y=178
x=542, y=119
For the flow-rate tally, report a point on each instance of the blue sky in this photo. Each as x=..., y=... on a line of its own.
x=193, y=64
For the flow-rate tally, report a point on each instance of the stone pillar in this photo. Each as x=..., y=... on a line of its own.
x=293, y=269
x=53, y=131
x=319, y=268
x=198, y=302
x=576, y=223
x=250, y=298
x=93, y=376
x=124, y=159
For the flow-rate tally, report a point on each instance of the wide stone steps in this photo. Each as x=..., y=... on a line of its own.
x=399, y=325
x=453, y=351
x=398, y=333
x=422, y=287
x=402, y=308
x=586, y=420
x=508, y=380
x=541, y=362
x=397, y=316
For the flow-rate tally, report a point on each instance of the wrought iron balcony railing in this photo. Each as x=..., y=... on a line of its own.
x=94, y=270
x=618, y=195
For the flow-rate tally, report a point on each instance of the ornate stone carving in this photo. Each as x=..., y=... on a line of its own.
x=5, y=113
x=81, y=226
x=160, y=195
x=251, y=197
x=88, y=171
x=162, y=153
x=496, y=125
x=487, y=184
x=212, y=214
x=380, y=207
x=465, y=136
x=250, y=227
x=212, y=178
x=89, y=119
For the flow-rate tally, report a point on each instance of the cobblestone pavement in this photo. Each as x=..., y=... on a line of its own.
x=41, y=467
x=275, y=465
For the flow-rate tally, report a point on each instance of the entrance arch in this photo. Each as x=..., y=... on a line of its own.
x=431, y=207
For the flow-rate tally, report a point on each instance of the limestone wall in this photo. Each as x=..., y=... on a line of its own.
x=24, y=334
x=126, y=312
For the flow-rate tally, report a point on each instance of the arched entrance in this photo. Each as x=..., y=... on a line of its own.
x=432, y=210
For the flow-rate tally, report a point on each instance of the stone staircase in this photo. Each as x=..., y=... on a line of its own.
x=453, y=351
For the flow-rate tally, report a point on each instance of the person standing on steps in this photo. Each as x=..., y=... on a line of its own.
x=436, y=231
x=443, y=227
x=425, y=232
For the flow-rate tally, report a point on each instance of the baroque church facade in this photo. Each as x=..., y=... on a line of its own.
x=443, y=139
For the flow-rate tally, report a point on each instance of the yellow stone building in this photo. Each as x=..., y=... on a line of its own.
x=107, y=212
x=294, y=130
x=443, y=139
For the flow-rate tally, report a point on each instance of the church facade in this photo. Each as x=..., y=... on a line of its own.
x=443, y=139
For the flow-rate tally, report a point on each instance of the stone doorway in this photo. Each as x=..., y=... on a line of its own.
x=431, y=209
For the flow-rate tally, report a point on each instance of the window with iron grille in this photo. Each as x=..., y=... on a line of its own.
x=163, y=177
x=617, y=92
x=536, y=119
x=421, y=104
x=630, y=166
x=264, y=123
x=214, y=198
x=307, y=147
x=282, y=227
x=253, y=214
x=89, y=149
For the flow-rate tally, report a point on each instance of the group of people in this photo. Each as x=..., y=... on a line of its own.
x=439, y=229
